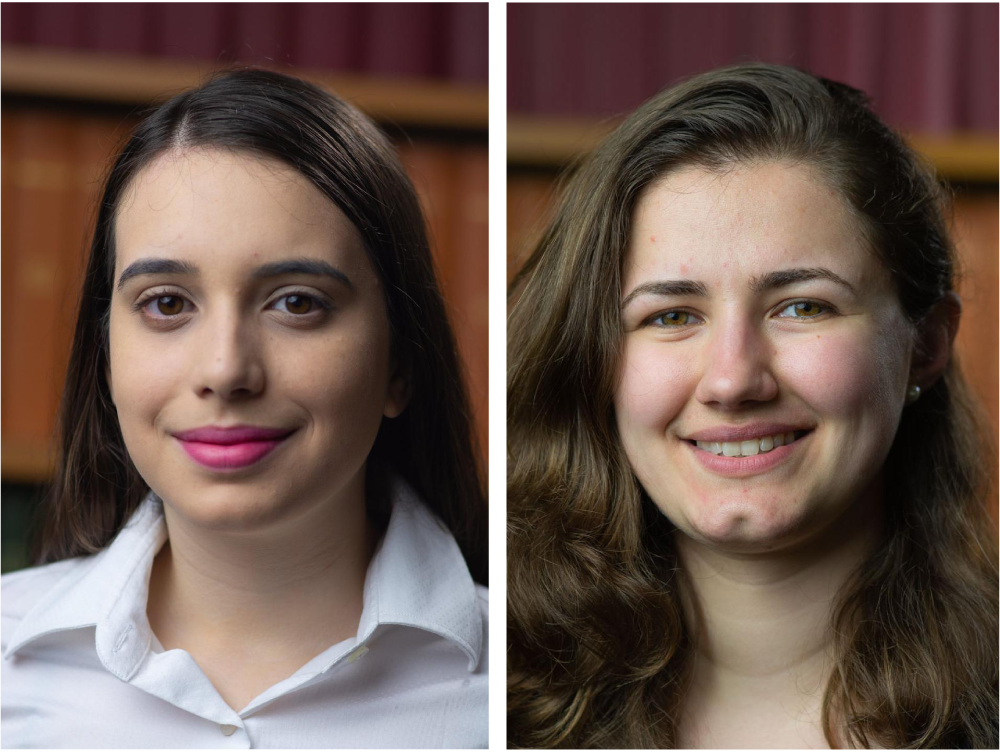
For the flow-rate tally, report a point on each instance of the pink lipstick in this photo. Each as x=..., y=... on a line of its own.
x=231, y=448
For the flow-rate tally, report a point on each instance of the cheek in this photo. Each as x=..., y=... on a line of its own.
x=839, y=373
x=654, y=385
x=345, y=374
x=144, y=374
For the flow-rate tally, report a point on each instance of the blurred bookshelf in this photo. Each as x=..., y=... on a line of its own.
x=535, y=143
x=136, y=80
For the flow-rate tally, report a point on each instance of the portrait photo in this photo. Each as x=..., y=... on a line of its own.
x=244, y=375
x=751, y=377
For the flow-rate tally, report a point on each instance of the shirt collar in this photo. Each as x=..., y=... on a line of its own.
x=417, y=578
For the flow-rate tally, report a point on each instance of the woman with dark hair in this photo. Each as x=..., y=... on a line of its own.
x=747, y=487
x=268, y=522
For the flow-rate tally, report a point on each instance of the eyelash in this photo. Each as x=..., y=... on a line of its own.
x=651, y=321
x=140, y=305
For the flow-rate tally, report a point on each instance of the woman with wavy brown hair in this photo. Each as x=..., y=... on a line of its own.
x=747, y=484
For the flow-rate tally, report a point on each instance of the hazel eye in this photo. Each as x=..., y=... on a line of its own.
x=805, y=309
x=671, y=319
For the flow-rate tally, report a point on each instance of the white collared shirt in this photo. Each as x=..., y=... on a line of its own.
x=82, y=668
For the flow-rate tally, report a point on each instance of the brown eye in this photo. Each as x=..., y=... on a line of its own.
x=169, y=305
x=298, y=304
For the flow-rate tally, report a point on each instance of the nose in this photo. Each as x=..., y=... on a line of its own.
x=737, y=366
x=228, y=359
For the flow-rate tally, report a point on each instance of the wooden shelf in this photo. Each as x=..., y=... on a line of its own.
x=23, y=462
x=554, y=143
x=137, y=80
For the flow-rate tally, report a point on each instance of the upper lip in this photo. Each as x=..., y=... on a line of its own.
x=742, y=433
x=232, y=434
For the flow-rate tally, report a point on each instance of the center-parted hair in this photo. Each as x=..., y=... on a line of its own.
x=270, y=115
x=598, y=641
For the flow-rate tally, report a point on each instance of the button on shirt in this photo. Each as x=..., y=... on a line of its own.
x=82, y=668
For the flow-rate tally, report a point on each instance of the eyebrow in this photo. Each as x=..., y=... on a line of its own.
x=762, y=283
x=308, y=266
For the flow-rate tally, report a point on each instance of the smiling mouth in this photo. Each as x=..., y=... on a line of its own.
x=751, y=447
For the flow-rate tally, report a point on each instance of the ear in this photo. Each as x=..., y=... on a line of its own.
x=397, y=395
x=935, y=341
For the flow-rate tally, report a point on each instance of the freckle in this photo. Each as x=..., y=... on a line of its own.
x=684, y=268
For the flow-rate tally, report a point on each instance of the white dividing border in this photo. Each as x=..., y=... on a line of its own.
x=498, y=371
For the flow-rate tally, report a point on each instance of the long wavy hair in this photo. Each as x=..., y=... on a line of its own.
x=598, y=643
x=261, y=113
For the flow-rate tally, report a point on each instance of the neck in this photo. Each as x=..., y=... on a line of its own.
x=761, y=624
x=300, y=581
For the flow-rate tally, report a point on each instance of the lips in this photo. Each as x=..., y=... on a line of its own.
x=231, y=448
x=745, y=432
x=233, y=435
x=743, y=467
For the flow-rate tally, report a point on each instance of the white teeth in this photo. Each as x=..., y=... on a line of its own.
x=747, y=448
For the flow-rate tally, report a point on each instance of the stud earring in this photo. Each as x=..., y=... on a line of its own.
x=912, y=394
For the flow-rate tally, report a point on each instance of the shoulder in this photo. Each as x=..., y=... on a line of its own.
x=483, y=599
x=22, y=590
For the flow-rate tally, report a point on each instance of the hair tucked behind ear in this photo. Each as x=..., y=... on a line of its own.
x=431, y=444
x=597, y=642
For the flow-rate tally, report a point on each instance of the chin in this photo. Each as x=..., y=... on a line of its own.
x=225, y=509
x=747, y=528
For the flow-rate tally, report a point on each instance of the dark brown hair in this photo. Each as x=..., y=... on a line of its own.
x=431, y=444
x=598, y=645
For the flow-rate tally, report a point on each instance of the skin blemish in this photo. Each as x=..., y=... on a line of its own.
x=652, y=238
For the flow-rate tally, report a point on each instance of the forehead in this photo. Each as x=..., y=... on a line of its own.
x=748, y=221
x=214, y=206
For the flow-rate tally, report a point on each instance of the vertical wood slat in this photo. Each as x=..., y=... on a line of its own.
x=452, y=186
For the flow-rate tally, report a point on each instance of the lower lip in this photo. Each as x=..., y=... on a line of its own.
x=742, y=467
x=230, y=456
